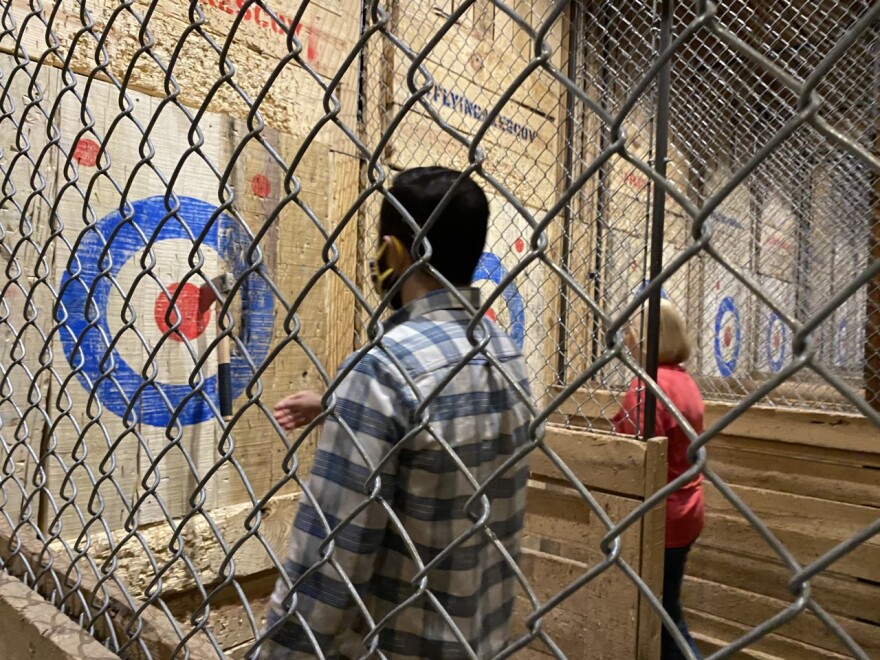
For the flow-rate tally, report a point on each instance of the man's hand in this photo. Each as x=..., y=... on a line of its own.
x=297, y=410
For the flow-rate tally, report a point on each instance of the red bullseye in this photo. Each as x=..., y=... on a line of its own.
x=491, y=315
x=728, y=336
x=194, y=321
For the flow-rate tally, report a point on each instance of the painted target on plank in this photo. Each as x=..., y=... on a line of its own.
x=105, y=287
x=777, y=339
x=488, y=275
x=728, y=336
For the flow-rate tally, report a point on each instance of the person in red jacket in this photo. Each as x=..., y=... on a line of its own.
x=684, y=507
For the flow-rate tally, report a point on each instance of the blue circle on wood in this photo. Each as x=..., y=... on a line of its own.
x=644, y=285
x=490, y=268
x=86, y=336
x=727, y=310
x=776, y=361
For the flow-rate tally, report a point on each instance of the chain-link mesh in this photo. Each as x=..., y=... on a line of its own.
x=148, y=148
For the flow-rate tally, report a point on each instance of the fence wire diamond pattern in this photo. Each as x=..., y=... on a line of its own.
x=147, y=148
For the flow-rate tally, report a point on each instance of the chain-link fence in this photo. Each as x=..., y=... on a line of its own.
x=149, y=148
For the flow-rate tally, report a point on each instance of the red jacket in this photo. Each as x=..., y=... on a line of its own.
x=684, y=507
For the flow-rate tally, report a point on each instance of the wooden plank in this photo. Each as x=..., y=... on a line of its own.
x=607, y=603
x=580, y=329
x=806, y=536
x=485, y=46
x=559, y=522
x=611, y=463
x=31, y=628
x=831, y=430
x=294, y=102
x=22, y=548
x=753, y=609
x=840, y=595
x=652, y=555
x=202, y=547
x=228, y=620
x=704, y=626
x=341, y=303
x=26, y=299
x=520, y=147
x=826, y=474
x=549, y=320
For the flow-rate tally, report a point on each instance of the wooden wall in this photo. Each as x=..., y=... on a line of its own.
x=812, y=479
x=55, y=420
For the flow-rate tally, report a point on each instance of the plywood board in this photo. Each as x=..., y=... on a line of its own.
x=520, y=147
x=726, y=321
x=732, y=220
x=28, y=171
x=521, y=306
x=847, y=329
x=782, y=513
x=290, y=253
x=745, y=607
x=777, y=245
x=773, y=342
x=611, y=463
x=294, y=101
x=484, y=46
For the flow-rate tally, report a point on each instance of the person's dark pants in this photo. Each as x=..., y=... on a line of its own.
x=673, y=575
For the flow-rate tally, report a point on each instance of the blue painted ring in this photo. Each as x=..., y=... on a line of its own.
x=490, y=268
x=775, y=362
x=87, y=347
x=727, y=367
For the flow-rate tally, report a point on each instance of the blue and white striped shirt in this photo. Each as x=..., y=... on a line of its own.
x=369, y=576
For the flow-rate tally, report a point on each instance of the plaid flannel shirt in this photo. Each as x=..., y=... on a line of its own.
x=477, y=421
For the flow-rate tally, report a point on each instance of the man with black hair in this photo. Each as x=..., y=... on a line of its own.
x=414, y=554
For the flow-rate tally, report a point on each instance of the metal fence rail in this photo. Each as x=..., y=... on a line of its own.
x=759, y=219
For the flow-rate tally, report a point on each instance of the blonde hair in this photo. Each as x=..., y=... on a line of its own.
x=674, y=347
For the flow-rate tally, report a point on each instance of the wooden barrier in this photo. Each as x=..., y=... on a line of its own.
x=561, y=542
x=607, y=617
x=22, y=553
x=812, y=478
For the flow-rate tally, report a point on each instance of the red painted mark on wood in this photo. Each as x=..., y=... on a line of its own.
x=260, y=186
x=636, y=181
x=728, y=337
x=86, y=152
x=491, y=315
x=519, y=245
x=194, y=321
x=254, y=14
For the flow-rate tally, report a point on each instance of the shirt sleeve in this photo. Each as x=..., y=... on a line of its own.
x=364, y=426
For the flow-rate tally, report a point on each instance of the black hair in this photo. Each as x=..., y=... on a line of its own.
x=458, y=236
